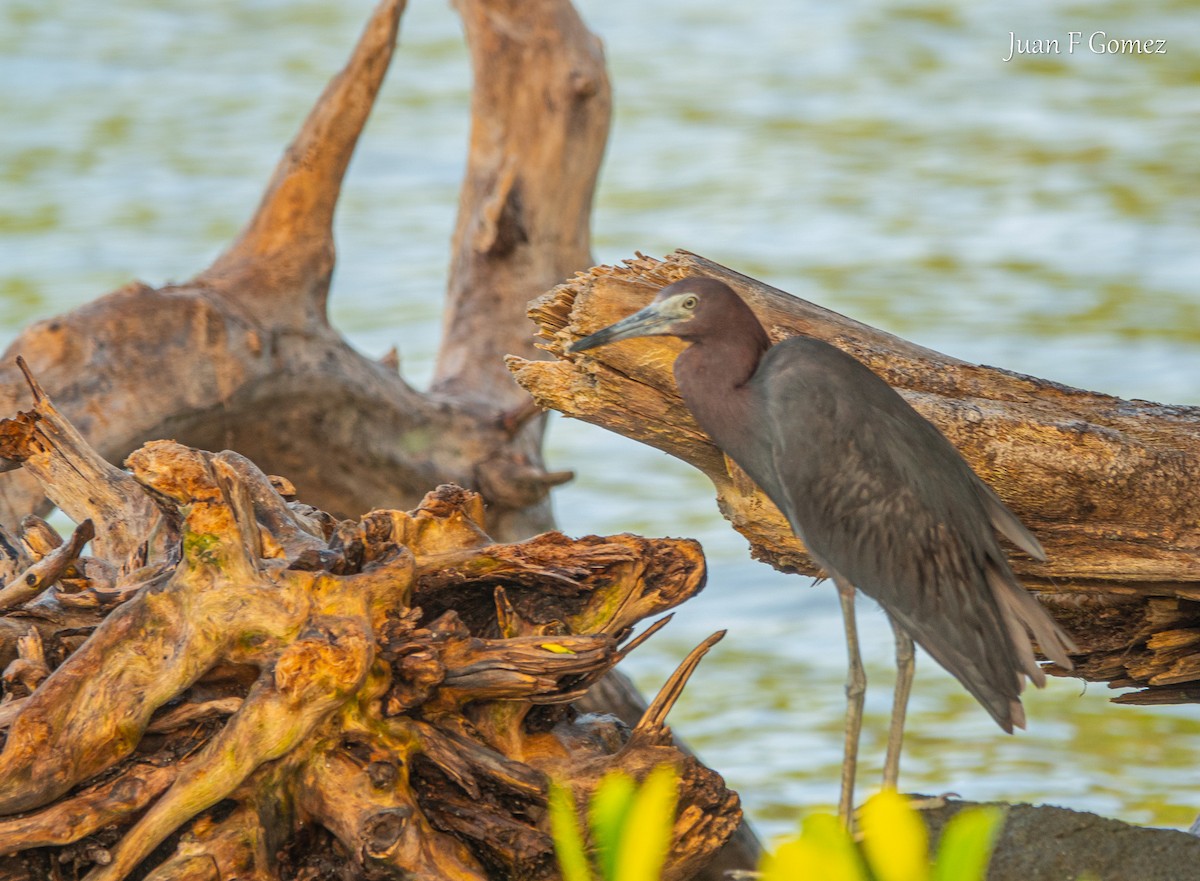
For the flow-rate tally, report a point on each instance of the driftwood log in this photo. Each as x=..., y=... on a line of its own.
x=235, y=684
x=1109, y=486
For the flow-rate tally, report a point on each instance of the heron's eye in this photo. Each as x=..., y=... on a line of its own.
x=689, y=302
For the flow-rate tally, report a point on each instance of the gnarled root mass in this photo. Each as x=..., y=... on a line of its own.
x=237, y=685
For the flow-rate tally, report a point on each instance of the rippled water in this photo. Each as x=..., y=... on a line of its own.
x=876, y=157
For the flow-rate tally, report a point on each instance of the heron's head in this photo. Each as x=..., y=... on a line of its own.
x=689, y=309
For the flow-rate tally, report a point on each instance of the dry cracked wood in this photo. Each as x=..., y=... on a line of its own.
x=243, y=356
x=277, y=694
x=1109, y=486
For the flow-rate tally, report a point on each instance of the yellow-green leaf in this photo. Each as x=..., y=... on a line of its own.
x=568, y=839
x=967, y=843
x=606, y=814
x=556, y=648
x=894, y=838
x=647, y=831
x=823, y=852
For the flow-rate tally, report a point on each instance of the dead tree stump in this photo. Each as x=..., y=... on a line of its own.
x=243, y=356
x=206, y=360
x=236, y=684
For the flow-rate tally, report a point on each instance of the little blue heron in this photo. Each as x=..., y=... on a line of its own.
x=879, y=497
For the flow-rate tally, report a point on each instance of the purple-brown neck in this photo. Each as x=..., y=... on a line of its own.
x=713, y=371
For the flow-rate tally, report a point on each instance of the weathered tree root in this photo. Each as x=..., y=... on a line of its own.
x=256, y=668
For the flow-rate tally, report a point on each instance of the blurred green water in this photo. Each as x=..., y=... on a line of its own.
x=876, y=157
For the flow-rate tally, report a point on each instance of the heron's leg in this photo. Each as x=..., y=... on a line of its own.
x=906, y=663
x=856, y=688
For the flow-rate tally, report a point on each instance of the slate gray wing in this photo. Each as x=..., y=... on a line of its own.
x=881, y=498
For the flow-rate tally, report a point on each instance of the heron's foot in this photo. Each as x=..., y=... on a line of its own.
x=918, y=803
x=931, y=802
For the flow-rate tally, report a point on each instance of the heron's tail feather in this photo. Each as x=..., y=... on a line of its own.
x=988, y=676
x=1006, y=523
x=1017, y=711
x=1025, y=617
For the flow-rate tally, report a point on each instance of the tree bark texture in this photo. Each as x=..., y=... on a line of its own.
x=1109, y=486
x=243, y=355
x=243, y=686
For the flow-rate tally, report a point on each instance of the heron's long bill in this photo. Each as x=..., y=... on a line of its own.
x=646, y=322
